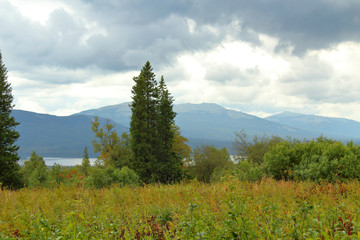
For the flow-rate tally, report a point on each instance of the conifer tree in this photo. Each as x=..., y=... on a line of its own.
x=143, y=124
x=168, y=161
x=9, y=167
x=85, y=164
x=152, y=130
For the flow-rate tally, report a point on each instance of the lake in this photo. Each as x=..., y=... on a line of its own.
x=49, y=161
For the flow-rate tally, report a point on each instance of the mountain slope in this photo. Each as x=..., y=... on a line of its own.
x=54, y=136
x=331, y=127
x=207, y=121
x=120, y=113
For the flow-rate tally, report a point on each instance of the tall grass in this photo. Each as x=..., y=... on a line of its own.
x=228, y=210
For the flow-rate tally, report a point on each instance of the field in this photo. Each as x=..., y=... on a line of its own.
x=228, y=210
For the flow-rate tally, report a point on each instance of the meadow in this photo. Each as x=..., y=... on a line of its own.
x=230, y=209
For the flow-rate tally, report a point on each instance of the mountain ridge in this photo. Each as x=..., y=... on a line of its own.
x=206, y=123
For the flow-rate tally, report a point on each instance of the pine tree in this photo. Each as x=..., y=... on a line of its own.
x=143, y=124
x=9, y=167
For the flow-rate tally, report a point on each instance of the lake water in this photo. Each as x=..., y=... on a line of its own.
x=49, y=161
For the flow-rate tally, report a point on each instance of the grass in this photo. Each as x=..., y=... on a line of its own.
x=228, y=210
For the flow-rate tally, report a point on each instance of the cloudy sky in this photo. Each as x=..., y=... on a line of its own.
x=261, y=56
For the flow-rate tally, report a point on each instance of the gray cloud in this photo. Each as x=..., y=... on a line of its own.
x=158, y=31
x=306, y=24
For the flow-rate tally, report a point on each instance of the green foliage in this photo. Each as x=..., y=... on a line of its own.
x=102, y=177
x=126, y=176
x=85, y=164
x=55, y=174
x=316, y=160
x=114, y=151
x=253, y=149
x=35, y=172
x=108, y=139
x=9, y=167
x=243, y=171
x=206, y=159
x=246, y=171
x=280, y=160
x=180, y=147
x=121, y=154
x=328, y=160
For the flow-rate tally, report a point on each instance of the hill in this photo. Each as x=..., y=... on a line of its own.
x=207, y=123
x=338, y=128
x=54, y=136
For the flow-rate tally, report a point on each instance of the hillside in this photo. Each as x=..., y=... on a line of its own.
x=206, y=123
x=339, y=128
x=54, y=136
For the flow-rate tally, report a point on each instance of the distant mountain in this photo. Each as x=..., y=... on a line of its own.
x=339, y=128
x=206, y=123
x=54, y=136
x=120, y=113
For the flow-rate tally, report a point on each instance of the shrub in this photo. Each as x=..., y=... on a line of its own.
x=102, y=177
x=34, y=171
x=280, y=160
x=329, y=161
x=248, y=172
x=206, y=159
x=316, y=160
x=126, y=176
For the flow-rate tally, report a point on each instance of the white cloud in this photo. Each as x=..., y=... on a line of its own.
x=262, y=80
x=38, y=10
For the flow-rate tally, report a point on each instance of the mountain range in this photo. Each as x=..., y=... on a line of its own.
x=207, y=123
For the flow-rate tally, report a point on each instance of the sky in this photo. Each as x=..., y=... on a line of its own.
x=261, y=57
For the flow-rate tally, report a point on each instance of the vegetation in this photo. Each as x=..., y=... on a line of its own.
x=9, y=167
x=114, y=151
x=317, y=160
x=35, y=172
x=226, y=210
x=208, y=159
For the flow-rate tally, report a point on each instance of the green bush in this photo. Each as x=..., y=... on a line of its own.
x=206, y=159
x=332, y=161
x=34, y=171
x=102, y=177
x=280, y=160
x=316, y=160
x=126, y=176
x=247, y=171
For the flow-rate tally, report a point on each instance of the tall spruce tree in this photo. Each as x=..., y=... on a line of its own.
x=9, y=176
x=169, y=163
x=143, y=124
